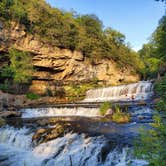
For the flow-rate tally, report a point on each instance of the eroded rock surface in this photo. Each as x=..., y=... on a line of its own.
x=61, y=64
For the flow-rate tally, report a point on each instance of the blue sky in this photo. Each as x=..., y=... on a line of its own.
x=137, y=19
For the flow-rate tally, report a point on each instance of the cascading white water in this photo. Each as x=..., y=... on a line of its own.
x=19, y=138
x=77, y=111
x=72, y=149
x=137, y=91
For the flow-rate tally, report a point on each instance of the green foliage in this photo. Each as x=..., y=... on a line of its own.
x=32, y=96
x=104, y=107
x=119, y=116
x=7, y=72
x=159, y=39
x=4, y=87
x=151, y=145
x=16, y=75
x=70, y=30
x=161, y=105
x=5, y=8
x=160, y=87
x=154, y=53
x=21, y=66
x=78, y=92
x=14, y=9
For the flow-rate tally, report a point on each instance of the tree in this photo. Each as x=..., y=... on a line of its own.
x=21, y=66
x=154, y=53
x=114, y=37
x=69, y=30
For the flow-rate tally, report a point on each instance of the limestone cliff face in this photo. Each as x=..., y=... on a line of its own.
x=54, y=64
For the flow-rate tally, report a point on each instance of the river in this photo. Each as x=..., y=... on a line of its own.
x=105, y=143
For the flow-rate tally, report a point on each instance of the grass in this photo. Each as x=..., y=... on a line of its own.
x=104, y=107
x=32, y=96
x=119, y=116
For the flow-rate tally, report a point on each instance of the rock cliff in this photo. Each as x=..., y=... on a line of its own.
x=54, y=64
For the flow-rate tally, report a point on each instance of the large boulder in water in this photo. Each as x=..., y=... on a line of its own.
x=46, y=134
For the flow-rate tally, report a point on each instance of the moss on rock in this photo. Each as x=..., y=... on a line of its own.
x=2, y=122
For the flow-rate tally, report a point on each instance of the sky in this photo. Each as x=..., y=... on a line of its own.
x=137, y=19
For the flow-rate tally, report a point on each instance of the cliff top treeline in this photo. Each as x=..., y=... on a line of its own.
x=85, y=33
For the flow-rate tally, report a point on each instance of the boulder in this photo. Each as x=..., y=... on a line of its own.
x=46, y=134
x=12, y=109
x=10, y=114
x=109, y=113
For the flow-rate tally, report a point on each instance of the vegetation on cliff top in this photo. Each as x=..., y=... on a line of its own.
x=85, y=33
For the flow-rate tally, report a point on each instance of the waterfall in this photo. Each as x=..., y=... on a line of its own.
x=72, y=149
x=136, y=91
x=18, y=138
x=45, y=112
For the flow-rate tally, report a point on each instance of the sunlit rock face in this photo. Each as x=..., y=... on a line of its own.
x=61, y=64
x=130, y=92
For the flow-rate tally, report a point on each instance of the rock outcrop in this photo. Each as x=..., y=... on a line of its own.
x=54, y=64
x=46, y=134
x=9, y=114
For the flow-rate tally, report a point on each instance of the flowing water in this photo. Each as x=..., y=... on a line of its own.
x=73, y=149
x=140, y=91
x=137, y=91
x=76, y=111
x=16, y=149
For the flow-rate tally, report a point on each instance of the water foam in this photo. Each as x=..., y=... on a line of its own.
x=137, y=91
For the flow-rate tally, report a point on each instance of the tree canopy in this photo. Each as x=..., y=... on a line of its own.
x=70, y=30
x=154, y=53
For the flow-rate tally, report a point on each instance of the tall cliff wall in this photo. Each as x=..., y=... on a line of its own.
x=54, y=64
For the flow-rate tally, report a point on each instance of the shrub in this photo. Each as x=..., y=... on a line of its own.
x=160, y=87
x=104, y=107
x=119, y=116
x=4, y=87
x=151, y=145
x=32, y=96
x=161, y=105
x=78, y=92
